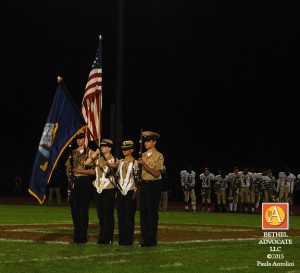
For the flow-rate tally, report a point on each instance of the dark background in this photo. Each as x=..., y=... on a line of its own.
x=218, y=80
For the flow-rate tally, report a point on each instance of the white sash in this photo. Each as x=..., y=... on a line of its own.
x=127, y=183
x=101, y=183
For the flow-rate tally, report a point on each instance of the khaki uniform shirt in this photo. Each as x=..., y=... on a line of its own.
x=100, y=169
x=124, y=172
x=78, y=161
x=154, y=161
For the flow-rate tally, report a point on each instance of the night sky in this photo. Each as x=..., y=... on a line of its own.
x=218, y=80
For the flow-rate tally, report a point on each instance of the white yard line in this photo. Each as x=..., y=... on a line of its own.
x=209, y=240
x=171, y=265
x=32, y=241
x=56, y=259
x=38, y=224
x=117, y=262
x=234, y=268
x=161, y=243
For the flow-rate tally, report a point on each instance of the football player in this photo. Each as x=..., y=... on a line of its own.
x=221, y=185
x=206, y=179
x=255, y=194
x=246, y=179
x=285, y=186
x=269, y=184
x=188, y=184
x=234, y=188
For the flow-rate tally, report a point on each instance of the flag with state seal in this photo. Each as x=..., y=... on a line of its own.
x=63, y=124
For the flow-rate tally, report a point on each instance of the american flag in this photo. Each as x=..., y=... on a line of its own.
x=92, y=99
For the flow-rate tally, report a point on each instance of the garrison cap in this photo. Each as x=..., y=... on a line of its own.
x=106, y=142
x=148, y=135
x=127, y=144
x=80, y=135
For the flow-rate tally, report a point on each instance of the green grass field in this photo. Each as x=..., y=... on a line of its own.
x=198, y=256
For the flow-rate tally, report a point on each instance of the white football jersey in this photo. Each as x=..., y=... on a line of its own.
x=257, y=176
x=187, y=178
x=223, y=181
x=206, y=180
x=246, y=179
x=232, y=176
x=269, y=182
x=286, y=181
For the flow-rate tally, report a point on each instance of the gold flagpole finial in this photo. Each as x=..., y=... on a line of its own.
x=59, y=79
x=100, y=37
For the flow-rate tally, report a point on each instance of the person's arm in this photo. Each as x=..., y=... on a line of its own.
x=84, y=171
x=92, y=158
x=155, y=173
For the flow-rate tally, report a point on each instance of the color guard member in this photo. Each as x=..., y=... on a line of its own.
x=80, y=201
x=150, y=190
x=104, y=190
x=126, y=204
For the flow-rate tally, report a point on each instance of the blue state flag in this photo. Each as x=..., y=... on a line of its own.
x=63, y=124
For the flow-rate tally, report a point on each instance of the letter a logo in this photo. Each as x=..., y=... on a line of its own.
x=275, y=213
x=275, y=216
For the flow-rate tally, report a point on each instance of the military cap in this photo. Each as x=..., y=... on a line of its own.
x=80, y=135
x=127, y=144
x=106, y=142
x=148, y=135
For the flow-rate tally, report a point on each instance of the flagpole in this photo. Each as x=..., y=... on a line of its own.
x=119, y=80
x=100, y=105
